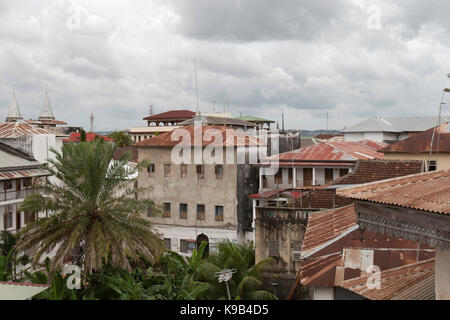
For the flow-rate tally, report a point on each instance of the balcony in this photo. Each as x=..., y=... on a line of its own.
x=13, y=196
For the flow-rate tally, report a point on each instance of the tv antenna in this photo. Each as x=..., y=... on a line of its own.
x=91, y=117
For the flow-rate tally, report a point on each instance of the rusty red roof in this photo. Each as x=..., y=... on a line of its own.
x=90, y=136
x=171, y=115
x=46, y=122
x=429, y=191
x=23, y=173
x=19, y=129
x=421, y=142
x=327, y=226
x=415, y=281
x=374, y=170
x=334, y=151
x=229, y=137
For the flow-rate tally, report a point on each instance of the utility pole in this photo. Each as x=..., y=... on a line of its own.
x=92, y=121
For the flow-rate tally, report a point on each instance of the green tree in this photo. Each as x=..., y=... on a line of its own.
x=82, y=136
x=245, y=283
x=96, y=214
x=121, y=139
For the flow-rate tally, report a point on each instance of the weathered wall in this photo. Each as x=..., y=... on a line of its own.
x=443, y=161
x=247, y=183
x=442, y=274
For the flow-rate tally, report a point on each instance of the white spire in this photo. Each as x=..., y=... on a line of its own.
x=14, y=111
x=46, y=113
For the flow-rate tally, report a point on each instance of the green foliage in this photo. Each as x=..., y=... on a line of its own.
x=96, y=215
x=121, y=139
x=82, y=136
x=7, y=242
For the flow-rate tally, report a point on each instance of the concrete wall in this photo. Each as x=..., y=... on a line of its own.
x=443, y=161
x=323, y=293
x=442, y=274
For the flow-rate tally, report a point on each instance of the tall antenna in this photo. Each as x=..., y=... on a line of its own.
x=327, y=120
x=282, y=121
x=196, y=83
x=92, y=121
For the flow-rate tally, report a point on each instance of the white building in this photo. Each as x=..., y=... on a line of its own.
x=389, y=130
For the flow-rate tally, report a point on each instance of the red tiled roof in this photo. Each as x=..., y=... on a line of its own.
x=230, y=137
x=421, y=142
x=374, y=170
x=172, y=115
x=334, y=151
x=429, y=191
x=415, y=281
x=90, y=136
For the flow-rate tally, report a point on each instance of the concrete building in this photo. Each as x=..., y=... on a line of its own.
x=19, y=173
x=389, y=130
x=418, y=147
x=199, y=200
x=415, y=207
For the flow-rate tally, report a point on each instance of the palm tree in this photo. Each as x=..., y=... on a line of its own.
x=245, y=283
x=95, y=212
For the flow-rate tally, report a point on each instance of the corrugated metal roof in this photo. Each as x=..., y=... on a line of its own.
x=406, y=124
x=429, y=191
x=230, y=137
x=334, y=151
x=414, y=281
x=90, y=136
x=254, y=119
x=218, y=121
x=19, y=129
x=421, y=142
x=27, y=173
x=20, y=291
x=172, y=115
x=325, y=227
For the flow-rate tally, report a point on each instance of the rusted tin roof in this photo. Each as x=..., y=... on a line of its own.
x=229, y=138
x=334, y=151
x=429, y=191
x=421, y=142
x=325, y=227
x=171, y=115
x=19, y=129
x=17, y=174
x=90, y=136
x=374, y=170
x=415, y=281
x=46, y=122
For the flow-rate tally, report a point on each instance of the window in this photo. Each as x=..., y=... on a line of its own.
x=8, y=218
x=166, y=170
x=279, y=176
x=27, y=182
x=219, y=213
x=328, y=175
x=168, y=243
x=184, y=170
x=219, y=171
x=296, y=250
x=200, y=171
x=273, y=248
x=183, y=211
x=166, y=210
x=343, y=172
x=290, y=170
x=264, y=181
x=7, y=184
x=431, y=165
x=150, y=211
x=200, y=212
x=151, y=169
x=29, y=217
x=187, y=246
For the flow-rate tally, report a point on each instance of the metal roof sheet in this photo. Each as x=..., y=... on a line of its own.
x=406, y=124
x=172, y=115
x=429, y=191
x=20, y=291
x=415, y=281
x=19, y=129
x=334, y=151
x=27, y=173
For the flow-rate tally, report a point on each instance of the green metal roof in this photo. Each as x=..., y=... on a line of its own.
x=254, y=119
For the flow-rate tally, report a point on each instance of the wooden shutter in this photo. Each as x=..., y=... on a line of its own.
x=273, y=248
x=296, y=250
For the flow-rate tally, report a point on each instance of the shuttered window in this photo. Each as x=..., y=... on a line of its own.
x=296, y=247
x=273, y=248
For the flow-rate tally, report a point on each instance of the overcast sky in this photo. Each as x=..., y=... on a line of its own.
x=353, y=59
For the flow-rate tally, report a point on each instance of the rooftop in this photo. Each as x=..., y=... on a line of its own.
x=406, y=124
x=20, y=291
x=254, y=119
x=415, y=281
x=334, y=151
x=90, y=136
x=218, y=121
x=120, y=151
x=229, y=137
x=171, y=115
x=19, y=129
x=429, y=191
x=421, y=142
